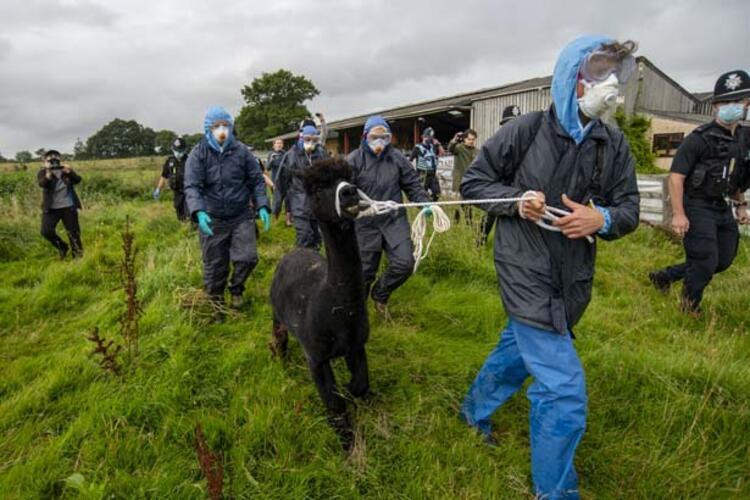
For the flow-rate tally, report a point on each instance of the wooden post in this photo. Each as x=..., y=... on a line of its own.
x=666, y=212
x=346, y=142
x=416, y=131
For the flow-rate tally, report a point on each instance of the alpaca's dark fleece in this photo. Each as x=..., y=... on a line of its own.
x=322, y=301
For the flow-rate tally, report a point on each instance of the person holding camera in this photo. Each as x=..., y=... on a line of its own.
x=463, y=148
x=60, y=202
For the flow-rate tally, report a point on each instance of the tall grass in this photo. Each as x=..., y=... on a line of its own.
x=669, y=395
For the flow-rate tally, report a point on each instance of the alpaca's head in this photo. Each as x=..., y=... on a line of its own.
x=321, y=181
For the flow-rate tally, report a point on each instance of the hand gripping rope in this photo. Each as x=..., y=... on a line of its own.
x=441, y=222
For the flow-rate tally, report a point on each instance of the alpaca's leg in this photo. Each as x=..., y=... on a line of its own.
x=322, y=374
x=279, y=338
x=356, y=361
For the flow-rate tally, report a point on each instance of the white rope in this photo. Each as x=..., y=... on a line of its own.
x=441, y=222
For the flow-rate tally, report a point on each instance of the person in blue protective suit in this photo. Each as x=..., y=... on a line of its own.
x=568, y=158
x=382, y=173
x=300, y=157
x=222, y=178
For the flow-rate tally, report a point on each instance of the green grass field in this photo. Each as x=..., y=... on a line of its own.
x=669, y=395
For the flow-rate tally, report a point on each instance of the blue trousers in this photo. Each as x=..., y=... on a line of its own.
x=557, y=395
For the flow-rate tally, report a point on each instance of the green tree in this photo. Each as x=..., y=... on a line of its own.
x=193, y=139
x=121, y=139
x=273, y=103
x=39, y=153
x=636, y=127
x=79, y=150
x=164, y=140
x=24, y=157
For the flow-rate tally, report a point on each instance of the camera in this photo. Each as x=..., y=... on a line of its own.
x=460, y=137
x=54, y=163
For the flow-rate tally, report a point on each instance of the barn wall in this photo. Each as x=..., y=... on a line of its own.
x=658, y=93
x=485, y=116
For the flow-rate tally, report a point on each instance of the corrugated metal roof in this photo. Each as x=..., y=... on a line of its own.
x=703, y=96
x=465, y=99
x=673, y=115
x=435, y=105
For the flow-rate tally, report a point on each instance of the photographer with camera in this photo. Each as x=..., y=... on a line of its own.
x=463, y=148
x=60, y=202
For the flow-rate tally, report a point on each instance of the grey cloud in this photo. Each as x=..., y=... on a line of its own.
x=46, y=13
x=163, y=63
x=5, y=48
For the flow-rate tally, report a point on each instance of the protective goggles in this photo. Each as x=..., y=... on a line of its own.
x=601, y=64
x=375, y=136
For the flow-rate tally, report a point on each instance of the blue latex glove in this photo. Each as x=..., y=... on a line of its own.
x=156, y=193
x=266, y=218
x=204, y=223
x=428, y=211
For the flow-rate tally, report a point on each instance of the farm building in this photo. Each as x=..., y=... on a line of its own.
x=673, y=110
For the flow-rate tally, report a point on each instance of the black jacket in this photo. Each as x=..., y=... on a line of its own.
x=48, y=185
x=225, y=185
x=174, y=171
x=705, y=158
x=384, y=178
x=289, y=183
x=273, y=162
x=546, y=278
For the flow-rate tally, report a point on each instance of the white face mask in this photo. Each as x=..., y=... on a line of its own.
x=221, y=133
x=598, y=98
x=309, y=146
x=178, y=154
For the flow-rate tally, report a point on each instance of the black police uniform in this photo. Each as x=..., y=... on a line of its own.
x=715, y=164
x=174, y=171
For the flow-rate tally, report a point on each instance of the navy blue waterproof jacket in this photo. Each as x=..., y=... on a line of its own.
x=289, y=181
x=225, y=185
x=382, y=178
x=546, y=278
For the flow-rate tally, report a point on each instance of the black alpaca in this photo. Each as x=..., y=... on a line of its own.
x=322, y=301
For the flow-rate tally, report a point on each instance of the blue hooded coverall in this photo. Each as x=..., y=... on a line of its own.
x=226, y=182
x=385, y=177
x=537, y=341
x=290, y=187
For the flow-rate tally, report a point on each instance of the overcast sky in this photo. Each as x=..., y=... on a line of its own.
x=69, y=67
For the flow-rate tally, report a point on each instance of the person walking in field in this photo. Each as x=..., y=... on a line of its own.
x=289, y=187
x=383, y=173
x=60, y=202
x=222, y=179
x=710, y=173
x=173, y=173
x=426, y=155
x=568, y=158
